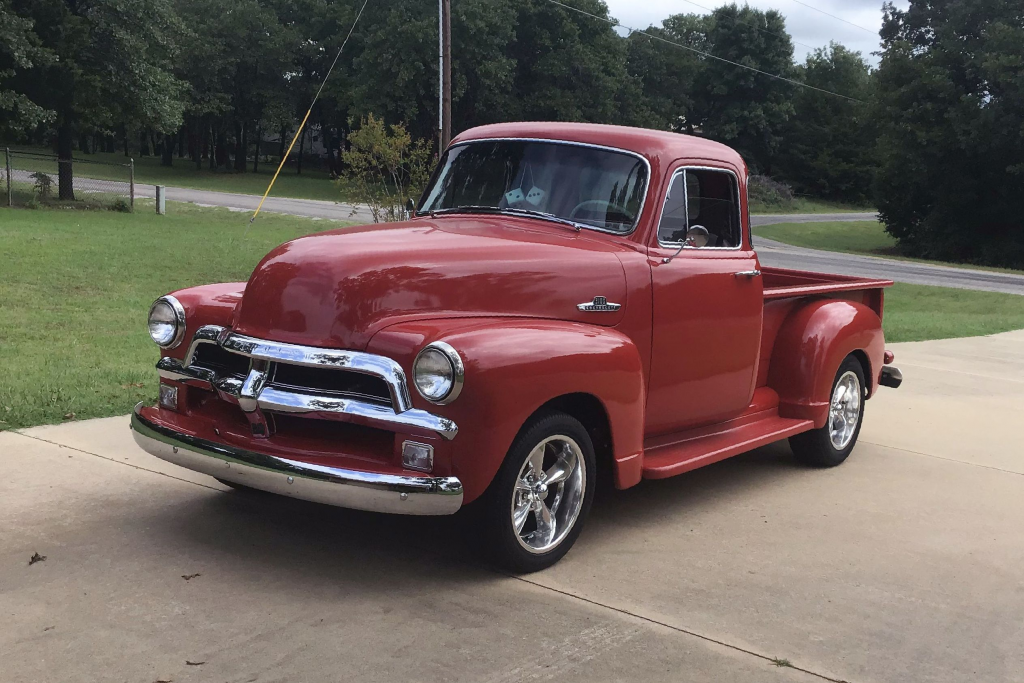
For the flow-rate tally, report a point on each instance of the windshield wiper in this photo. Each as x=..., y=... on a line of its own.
x=471, y=208
x=548, y=216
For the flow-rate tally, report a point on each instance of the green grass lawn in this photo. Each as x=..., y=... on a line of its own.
x=919, y=313
x=867, y=238
x=311, y=184
x=807, y=205
x=76, y=286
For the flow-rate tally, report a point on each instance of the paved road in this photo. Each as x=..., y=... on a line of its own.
x=781, y=255
x=902, y=565
x=239, y=202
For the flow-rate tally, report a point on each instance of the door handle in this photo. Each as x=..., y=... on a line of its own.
x=749, y=273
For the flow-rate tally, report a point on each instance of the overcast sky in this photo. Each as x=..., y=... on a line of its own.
x=804, y=24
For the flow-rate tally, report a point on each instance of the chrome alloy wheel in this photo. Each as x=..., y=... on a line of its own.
x=549, y=493
x=844, y=412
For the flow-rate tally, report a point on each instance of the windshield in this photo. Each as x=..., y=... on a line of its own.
x=591, y=187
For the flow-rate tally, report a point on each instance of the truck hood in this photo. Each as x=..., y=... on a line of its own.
x=337, y=289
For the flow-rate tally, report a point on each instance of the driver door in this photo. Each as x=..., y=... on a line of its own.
x=708, y=306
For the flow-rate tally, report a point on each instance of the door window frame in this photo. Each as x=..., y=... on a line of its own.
x=686, y=203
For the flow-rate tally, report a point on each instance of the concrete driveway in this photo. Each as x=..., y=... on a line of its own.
x=905, y=564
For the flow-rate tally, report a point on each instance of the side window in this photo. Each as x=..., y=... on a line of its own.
x=673, y=224
x=702, y=197
x=717, y=206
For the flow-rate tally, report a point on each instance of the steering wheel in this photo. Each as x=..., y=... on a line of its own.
x=603, y=203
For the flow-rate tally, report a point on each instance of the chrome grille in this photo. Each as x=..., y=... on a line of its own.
x=324, y=380
x=264, y=375
x=330, y=382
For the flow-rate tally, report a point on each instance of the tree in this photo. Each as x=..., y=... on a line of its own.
x=667, y=74
x=113, y=64
x=829, y=142
x=950, y=112
x=737, y=106
x=20, y=48
x=568, y=66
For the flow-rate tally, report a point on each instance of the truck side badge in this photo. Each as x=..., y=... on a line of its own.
x=599, y=305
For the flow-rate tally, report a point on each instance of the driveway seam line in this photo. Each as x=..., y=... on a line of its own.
x=678, y=629
x=940, y=457
x=118, y=462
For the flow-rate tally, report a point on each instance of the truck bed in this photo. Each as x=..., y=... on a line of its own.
x=782, y=283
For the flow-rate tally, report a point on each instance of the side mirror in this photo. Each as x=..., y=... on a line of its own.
x=697, y=236
x=410, y=206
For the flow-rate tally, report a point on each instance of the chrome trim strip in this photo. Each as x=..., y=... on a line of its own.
x=315, y=357
x=328, y=407
x=325, y=407
x=682, y=246
x=179, y=315
x=641, y=157
x=396, y=494
x=458, y=371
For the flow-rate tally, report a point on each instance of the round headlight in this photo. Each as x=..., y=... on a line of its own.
x=167, y=322
x=438, y=373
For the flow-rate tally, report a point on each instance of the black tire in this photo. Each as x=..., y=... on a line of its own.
x=498, y=537
x=816, y=448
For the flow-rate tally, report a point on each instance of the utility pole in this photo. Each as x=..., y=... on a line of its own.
x=445, y=89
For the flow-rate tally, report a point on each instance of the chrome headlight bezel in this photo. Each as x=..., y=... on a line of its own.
x=458, y=372
x=178, y=313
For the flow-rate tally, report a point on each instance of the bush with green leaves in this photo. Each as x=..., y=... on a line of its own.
x=768, y=193
x=43, y=184
x=386, y=168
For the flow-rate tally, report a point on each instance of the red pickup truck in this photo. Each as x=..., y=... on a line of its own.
x=569, y=304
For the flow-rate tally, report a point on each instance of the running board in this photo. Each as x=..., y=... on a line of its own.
x=688, y=454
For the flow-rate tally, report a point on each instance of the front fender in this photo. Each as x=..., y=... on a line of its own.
x=811, y=344
x=515, y=366
x=205, y=305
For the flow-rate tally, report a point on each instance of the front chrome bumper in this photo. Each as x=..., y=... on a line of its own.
x=407, y=495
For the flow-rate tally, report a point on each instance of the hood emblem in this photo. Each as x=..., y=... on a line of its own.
x=598, y=305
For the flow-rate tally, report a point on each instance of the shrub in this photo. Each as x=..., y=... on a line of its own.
x=120, y=205
x=43, y=185
x=386, y=168
x=765, y=192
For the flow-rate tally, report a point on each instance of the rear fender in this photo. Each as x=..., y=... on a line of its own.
x=512, y=368
x=811, y=345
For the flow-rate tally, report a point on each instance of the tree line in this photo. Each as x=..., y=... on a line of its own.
x=210, y=78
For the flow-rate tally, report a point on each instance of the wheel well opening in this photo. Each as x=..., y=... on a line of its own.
x=865, y=365
x=591, y=413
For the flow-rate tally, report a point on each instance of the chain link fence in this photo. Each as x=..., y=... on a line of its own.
x=35, y=179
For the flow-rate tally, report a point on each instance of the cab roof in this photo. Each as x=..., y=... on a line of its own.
x=654, y=144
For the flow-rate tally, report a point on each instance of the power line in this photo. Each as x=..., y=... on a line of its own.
x=800, y=2
x=762, y=30
x=705, y=54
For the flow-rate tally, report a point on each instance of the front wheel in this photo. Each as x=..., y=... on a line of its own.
x=536, y=505
x=833, y=443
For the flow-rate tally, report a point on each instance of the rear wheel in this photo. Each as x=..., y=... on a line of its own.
x=536, y=506
x=833, y=443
